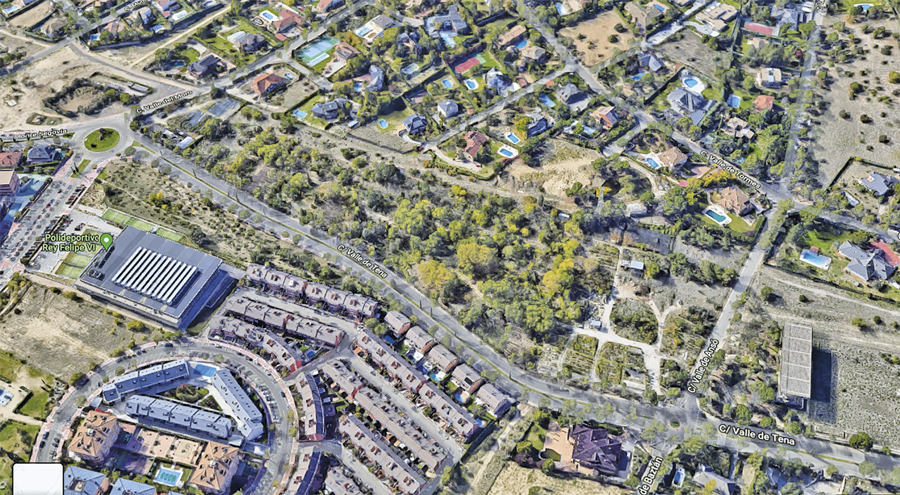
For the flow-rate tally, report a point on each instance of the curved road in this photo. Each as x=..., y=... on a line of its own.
x=247, y=365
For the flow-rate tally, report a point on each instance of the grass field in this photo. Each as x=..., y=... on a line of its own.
x=122, y=219
x=95, y=143
x=16, y=441
x=81, y=166
x=73, y=265
x=114, y=216
x=36, y=406
x=139, y=224
x=168, y=234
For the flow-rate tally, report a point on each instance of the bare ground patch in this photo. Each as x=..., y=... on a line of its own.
x=596, y=47
x=515, y=479
x=567, y=165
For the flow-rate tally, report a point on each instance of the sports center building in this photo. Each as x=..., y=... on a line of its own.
x=155, y=277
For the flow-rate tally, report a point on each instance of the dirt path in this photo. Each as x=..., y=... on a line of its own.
x=496, y=448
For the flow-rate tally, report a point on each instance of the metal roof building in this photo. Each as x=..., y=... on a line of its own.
x=795, y=378
x=243, y=409
x=158, y=278
x=173, y=414
x=138, y=381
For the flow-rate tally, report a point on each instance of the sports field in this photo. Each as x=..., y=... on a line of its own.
x=73, y=265
x=123, y=219
x=168, y=234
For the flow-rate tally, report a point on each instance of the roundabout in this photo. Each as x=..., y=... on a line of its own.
x=100, y=140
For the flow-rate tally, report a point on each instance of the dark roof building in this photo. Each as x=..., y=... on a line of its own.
x=865, y=264
x=595, y=448
x=415, y=124
x=328, y=110
x=450, y=22
x=569, y=93
x=689, y=104
x=650, y=61
x=879, y=184
x=161, y=279
x=42, y=154
x=204, y=67
x=80, y=481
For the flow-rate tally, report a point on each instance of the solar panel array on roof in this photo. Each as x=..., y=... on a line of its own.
x=796, y=361
x=154, y=275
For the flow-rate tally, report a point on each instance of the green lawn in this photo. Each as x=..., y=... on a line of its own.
x=537, y=435
x=96, y=143
x=36, y=406
x=168, y=234
x=189, y=54
x=139, y=224
x=823, y=240
x=16, y=442
x=80, y=168
x=114, y=216
x=738, y=224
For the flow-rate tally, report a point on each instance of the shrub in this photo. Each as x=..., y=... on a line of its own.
x=613, y=38
x=865, y=119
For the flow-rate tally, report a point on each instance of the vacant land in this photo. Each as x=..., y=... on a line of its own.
x=59, y=335
x=595, y=46
x=516, y=479
x=835, y=138
x=30, y=17
x=564, y=165
x=690, y=51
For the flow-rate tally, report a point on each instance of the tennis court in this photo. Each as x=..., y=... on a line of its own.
x=465, y=66
x=318, y=51
x=114, y=216
x=138, y=224
x=73, y=265
x=168, y=234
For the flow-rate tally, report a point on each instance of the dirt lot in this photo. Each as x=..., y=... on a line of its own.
x=595, y=47
x=40, y=80
x=566, y=165
x=30, y=17
x=836, y=139
x=61, y=336
x=692, y=52
x=515, y=479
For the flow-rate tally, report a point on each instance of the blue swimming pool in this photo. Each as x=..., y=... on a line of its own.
x=638, y=76
x=447, y=84
x=363, y=31
x=167, y=476
x=265, y=14
x=512, y=138
x=471, y=84
x=659, y=7
x=715, y=216
x=559, y=9
x=178, y=63
x=690, y=82
x=521, y=44
x=300, y=114
x=357, y=86
x=205, y=370
x=288, y=75
x=816, y=260
x=864, y=6
x=734, y=101
x=382, y=123
x=506, y=152
x=448, y=40
x=652, y=163
x=546, y=101
x=588, y=130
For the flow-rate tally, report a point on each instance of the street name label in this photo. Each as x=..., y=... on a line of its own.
x=740, y=174
x=163, y=102
x=756, y=435
x=29, y=136
x=357, y=257
x=650, y=476
x=700, y=372
x=63, y=243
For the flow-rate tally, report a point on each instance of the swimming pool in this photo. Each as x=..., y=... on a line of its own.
x=448, y=40
x=560, y=9
x=652, y=163
x=265, y=14
x=508, y=153
x=638, y=76
x=447, y=84
x=94, y=37
x=512, y=138
x=362, y=31
x=471, y=84
x=690, y=82
x=715, y=216
x=659, y=7
x=864, y=6
x=816, y=260
x=167, y=476
x=178, y=63
x=288, y=75
x=734, y=101
x=410, y=69
x=588, y=130
x=521, y=44
x=204, y=370
x=382, y=123
x=357, y=86
x=546, y=101
x=300, y=114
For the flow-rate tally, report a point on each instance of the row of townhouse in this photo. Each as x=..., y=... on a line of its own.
x=295, y=287
x=138, y=381
x=285, y=354
x=339, y=483
x=413, y=380
x=442, y=361
x=262, y=314
x=179, y=415
x=376, y=450
x=315, y=411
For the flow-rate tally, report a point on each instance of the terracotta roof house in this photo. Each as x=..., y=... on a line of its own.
x=326, y=5
x=607, y=115
x=10, y=160
x=534, y=54
x=286, y=20
x=887, y=253
x=512, y=36
x=672, y=157
x=266, y=83
x=735, y=201
x=763, y=103
x=94, y=437
x=642, y=15
x=216, y=467
x=737, y=127
x=442, y=359
x=474, y=142
x=344, y=51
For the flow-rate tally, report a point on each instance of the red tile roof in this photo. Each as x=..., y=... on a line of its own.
x=889, y=255
x=263, y=82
